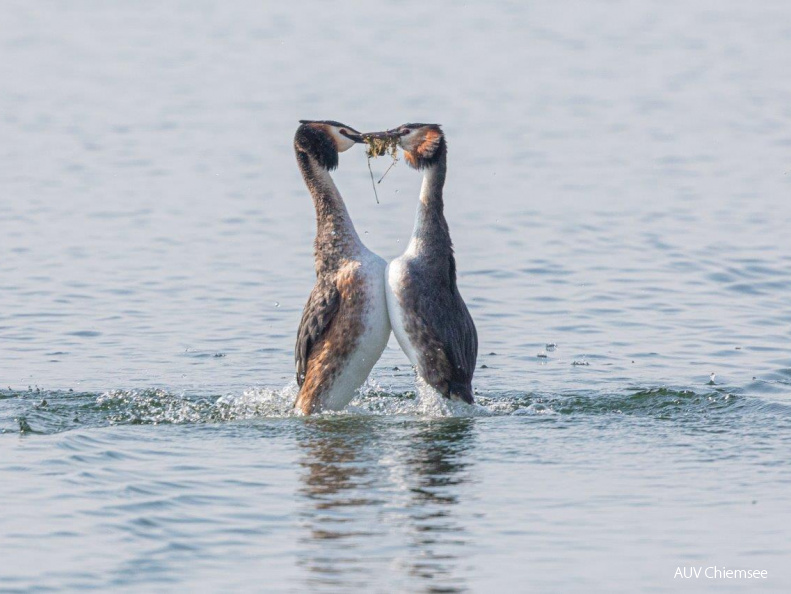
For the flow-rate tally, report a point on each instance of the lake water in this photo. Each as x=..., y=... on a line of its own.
x=619, y=186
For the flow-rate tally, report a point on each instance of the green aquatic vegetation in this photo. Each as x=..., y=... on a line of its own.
x=376, y=147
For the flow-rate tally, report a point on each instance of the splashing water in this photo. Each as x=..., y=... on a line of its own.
x=25, y=411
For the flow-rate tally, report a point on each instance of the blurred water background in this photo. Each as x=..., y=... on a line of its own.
x=619, y=194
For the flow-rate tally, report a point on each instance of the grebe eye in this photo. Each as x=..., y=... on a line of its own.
x=406, y=131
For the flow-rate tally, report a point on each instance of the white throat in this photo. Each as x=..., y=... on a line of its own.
x=425, y=188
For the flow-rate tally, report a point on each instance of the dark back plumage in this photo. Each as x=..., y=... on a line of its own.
x=436, y=319
x=321, y=308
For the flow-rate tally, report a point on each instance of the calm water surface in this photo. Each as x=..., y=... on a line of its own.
x=619, y=194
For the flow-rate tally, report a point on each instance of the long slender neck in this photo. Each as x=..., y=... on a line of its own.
x=431, y=237
x=336, y=237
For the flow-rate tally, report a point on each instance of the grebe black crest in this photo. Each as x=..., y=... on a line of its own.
x=324, y=139
x=344, y=326
x=426, y=310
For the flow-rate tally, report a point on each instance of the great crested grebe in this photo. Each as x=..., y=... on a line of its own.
x=429, y=318
x=345, y=325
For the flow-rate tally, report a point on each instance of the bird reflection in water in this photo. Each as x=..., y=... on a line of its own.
x=439, y=467
x=379, y=498
x=338, y=483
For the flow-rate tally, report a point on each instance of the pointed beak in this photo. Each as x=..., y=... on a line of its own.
x=384, y=135
x=355, y=136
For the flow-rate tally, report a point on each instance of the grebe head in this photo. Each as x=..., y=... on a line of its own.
x=423, y=144
x=324, y=139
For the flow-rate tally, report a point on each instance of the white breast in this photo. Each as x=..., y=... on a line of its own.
x=395, y=274
x=371, y=343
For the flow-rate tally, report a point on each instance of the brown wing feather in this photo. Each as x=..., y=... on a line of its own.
x=332, y=327
x=321, y=308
